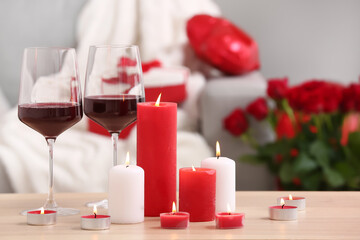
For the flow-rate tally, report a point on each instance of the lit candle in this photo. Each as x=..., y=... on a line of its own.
x=41, y=217
x=126, y=193
x=197, y=189
x=225, y=220
x=95, y=221
x=174, y=219
x=156, y=154
x=299, y=202
x=225, y=179
x=282, y=212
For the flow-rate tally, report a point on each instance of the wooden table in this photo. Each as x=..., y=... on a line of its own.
x=329, y=215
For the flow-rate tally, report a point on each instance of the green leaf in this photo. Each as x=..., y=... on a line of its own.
x=312, y=181
x=251, y=159
x=345, y=170
x=286, y=172
x=303, y=163
x=333, y=178
x=319, y=150
x=354, y=142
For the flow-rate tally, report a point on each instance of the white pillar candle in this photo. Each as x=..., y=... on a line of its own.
x=126, y=193
x=225, y=179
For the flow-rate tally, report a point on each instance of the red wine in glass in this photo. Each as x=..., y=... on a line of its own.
x=50, y=119
x=113, y=112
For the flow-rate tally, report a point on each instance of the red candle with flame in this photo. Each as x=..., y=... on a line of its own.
x=95, y=221
x=197, y=189
x=225, y=220
x=174, y=220
x=156, y=154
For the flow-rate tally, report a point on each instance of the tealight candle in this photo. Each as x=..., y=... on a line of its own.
x=41, y=217
x=95, y=222
x=174, y=220
x=282, y=212
x=226, y=220
x=299, y=202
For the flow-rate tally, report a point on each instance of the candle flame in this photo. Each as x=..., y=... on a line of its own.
x=193, y=168
x=282, y=202
x=95, y=210
x=127, y=161
x=290, y=197
x=157, y=104
x=42, y=211
x=174, y=208
x=217, y=149
x=228, y=208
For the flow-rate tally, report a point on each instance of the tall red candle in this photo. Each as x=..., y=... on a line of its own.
x=197, y=189
x=156, y=154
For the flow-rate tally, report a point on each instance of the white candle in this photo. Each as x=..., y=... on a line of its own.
x=225, y=179
x=126, y=193
x=299, y=202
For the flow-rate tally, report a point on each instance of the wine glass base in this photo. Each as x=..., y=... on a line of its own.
x=100, y=204
x=60, y=211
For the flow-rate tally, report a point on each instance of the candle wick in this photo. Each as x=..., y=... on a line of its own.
x=229, y=213
x=127, y=166
x=95, y=215
x=217, y=157
x=282, y=206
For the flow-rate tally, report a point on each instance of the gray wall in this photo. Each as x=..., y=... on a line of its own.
x=302, y=39
x=32, y=23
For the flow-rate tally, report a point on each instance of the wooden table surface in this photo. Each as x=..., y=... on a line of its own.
x=329, y=215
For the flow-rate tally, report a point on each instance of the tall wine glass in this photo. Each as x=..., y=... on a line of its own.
x=113, y=88
x=50, y=100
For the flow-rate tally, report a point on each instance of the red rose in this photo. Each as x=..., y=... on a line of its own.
x=278, y=158
x=313, y=129
x=294, y=152
x=236, y=123
x=277, y=88
x=351, y=98
x=296, y=181
x=315, y=97
x=258, y=109
x=284, y=127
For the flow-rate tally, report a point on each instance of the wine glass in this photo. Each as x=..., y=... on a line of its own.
x=113, y=87
x=50, y=101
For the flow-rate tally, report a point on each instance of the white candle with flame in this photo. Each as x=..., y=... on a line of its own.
x=225, y=179
x=126, y=193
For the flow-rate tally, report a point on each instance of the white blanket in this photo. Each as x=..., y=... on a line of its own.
x=82, y=159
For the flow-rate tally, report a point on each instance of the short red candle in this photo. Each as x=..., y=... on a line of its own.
x=97, y=216
x=176, y=220
x=226, y=220
x=197, y=191
x=156, y=154
x=39, y=212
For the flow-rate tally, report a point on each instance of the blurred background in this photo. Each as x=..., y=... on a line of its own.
x=300, y=40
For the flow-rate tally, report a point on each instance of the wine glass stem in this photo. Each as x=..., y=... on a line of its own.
x=114, y=139
x=50, y=202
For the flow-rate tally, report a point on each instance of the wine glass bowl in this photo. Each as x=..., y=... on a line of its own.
x=113, y=87
x=50, y=100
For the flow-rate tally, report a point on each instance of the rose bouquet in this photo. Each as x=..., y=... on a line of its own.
x=316, y=124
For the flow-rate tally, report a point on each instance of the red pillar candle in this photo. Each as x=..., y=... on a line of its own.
x=197, y=189
x=156, y=154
